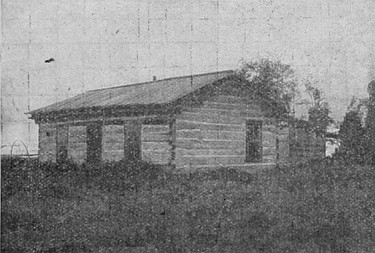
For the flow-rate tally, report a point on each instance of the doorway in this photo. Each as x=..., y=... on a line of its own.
x=94, y=143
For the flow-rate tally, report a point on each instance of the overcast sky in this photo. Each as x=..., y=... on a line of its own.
x=102, y=43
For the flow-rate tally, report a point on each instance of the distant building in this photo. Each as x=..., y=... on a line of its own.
x=185, y=122
x=332, y=141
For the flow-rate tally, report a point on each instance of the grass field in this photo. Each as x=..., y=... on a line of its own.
x=117, y=207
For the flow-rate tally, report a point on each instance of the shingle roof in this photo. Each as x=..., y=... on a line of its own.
x=147, y=93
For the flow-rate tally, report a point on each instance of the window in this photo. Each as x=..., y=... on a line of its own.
x=253, y=141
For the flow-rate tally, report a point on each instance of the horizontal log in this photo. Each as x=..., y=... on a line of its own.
x=188, y=124
x=113, y=146
x=269, y=126
x=208, y=134
x=78, y=129
x=207, y=118
x=269, y=151
x=157, y=158
x=247, y=113
x=110, y=140
x=269, y=158
x=155, y=146
x=228, y=106
x=113, y=151
x=180, y=152
x=113, y=129
x=155, y=128
x=156, y=137
x=268, y=134
x=156, y=152
x=194, y=161
x=77, y=139
x=269, y=142
x=121, y=120
x=234, y=100
x=247, y=167
x=209, y=144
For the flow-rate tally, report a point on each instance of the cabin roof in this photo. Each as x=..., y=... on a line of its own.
x=147, y=93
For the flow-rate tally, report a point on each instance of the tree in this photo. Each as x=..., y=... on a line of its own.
x=351, y=134
x=273, y=83
x=319, y=110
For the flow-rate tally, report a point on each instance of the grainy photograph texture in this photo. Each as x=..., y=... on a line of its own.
x=188, y=126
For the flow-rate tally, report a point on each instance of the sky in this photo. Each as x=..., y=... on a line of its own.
x=103, y=43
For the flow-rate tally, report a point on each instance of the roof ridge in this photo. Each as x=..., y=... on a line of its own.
x=161, y=80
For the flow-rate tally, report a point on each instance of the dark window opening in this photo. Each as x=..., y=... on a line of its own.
x=94, y=143
x=253, y=141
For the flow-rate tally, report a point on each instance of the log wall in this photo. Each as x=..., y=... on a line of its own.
x=47, y=142
x=214, y=134
x=77, y=144
x=156, y=144
x=113, y=142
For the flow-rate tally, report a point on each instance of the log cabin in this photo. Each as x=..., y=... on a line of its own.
x=185, y=123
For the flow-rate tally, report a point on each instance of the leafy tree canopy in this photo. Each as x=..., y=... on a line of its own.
x=355, y=144
x=273, y=83
x=352, y=136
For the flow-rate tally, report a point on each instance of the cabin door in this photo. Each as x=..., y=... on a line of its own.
x=62, y=143
x=94, y=143
x=132, y=145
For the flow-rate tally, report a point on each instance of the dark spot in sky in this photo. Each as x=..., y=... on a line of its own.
x=49, y=60
x=117, y=31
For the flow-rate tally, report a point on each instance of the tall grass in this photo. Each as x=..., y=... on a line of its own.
x=118, y=206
